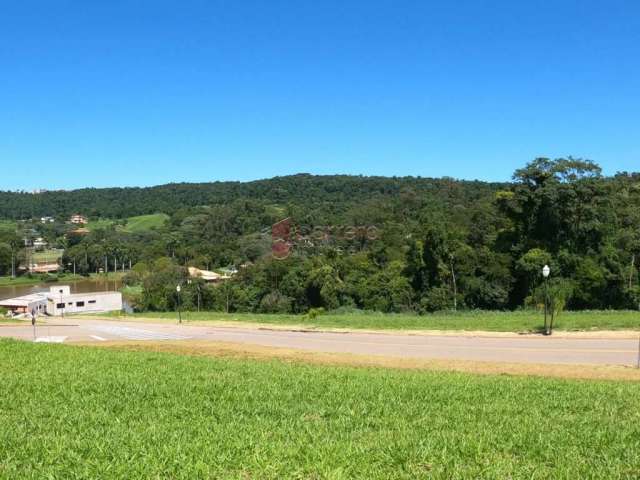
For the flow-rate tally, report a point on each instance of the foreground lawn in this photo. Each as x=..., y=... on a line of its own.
x=80, y=412
x=489, y=321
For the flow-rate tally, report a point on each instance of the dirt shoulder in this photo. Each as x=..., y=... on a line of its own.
x=256, y=352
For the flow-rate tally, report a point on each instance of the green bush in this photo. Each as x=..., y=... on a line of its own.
x=436, y=299
x=275, y=302
x=314, y=313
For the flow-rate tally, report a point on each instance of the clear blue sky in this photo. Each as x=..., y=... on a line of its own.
x=100, y=93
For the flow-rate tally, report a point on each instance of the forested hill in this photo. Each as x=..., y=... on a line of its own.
x=335, y=192
x=437, y=243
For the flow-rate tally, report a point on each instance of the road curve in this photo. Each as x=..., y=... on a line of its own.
x=527, y=349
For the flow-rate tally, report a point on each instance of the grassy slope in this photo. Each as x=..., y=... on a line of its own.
x=78, y=412
x=137, y=224
x=65, y=277
x=7, y=226
x=48, y=256
x=144, y=223
x=488, y=321
x=35, y=280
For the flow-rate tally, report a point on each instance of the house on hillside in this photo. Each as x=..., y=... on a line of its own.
x=44, y=267
x=207, y=276
x=78, y=219
x=39, y=243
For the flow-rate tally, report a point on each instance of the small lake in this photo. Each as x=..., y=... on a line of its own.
x=79, y=286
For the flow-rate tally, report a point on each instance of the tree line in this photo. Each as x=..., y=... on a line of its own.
x=439, y=243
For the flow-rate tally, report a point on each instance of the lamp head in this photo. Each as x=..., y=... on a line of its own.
x=546, y=271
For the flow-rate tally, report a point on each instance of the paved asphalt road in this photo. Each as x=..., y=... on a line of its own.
x=501, y=349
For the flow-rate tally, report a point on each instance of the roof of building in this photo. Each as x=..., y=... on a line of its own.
x=23, y=301
x=206, y=274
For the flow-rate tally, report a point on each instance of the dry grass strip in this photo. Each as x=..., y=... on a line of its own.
x=257, y=352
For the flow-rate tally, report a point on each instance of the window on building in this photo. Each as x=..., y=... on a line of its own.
x=79, y=304
x=92, y=301
x=60, y=305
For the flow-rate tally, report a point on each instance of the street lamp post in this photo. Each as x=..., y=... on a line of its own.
x=61, y=303
x=197, y=292
x=545, y=273
x=179, y=314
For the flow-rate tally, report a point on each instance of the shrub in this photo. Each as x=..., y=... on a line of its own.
x=314, y=313
x=275, y=302
x=436, y=299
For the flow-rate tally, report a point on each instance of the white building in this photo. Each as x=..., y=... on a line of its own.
x=39, y=243
x=36, y=302
x=60, y=300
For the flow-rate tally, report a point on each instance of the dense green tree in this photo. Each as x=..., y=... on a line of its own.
x=388, y=244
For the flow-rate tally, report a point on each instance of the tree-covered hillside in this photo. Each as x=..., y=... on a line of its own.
x=385, y=244
x=336, y=193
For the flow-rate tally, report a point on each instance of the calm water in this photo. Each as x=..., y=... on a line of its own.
x=79, y=286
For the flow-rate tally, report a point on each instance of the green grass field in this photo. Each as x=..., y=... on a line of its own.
x=142, y=223
x=99, y=224
x=48, y=256
x=523, y=321
x=145, y=223
x=81, y=412
x=37, y=279
x=7, y=226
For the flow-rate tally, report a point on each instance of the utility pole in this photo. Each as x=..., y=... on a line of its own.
x=455, y=287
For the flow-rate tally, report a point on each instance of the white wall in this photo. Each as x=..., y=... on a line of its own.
x=102, y=302
x=66, y=290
